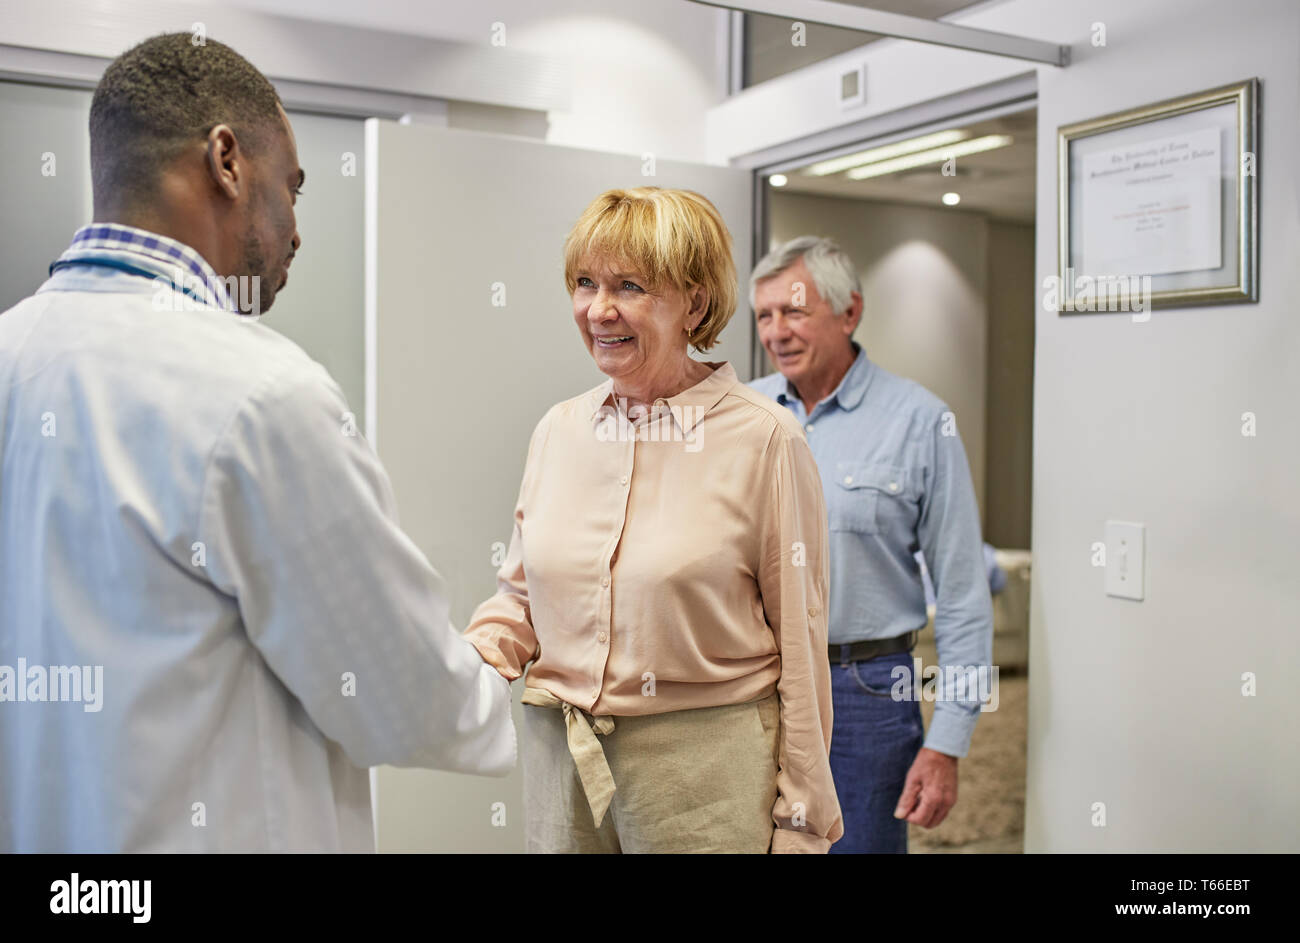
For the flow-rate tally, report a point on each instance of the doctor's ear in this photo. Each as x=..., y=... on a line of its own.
x=225, y=161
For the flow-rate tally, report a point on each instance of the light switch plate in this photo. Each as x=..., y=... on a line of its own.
x=1126, y=559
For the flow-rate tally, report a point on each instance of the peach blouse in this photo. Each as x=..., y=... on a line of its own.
x=673, y=561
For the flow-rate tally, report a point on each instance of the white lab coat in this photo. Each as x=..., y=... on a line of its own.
x=180, y=505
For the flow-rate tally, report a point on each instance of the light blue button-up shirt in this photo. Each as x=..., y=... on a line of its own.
x=896, y=480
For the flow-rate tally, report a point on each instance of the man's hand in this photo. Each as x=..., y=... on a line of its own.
x=930, y=790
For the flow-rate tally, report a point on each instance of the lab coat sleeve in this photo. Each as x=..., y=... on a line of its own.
x=501, y=628
x=299, y=525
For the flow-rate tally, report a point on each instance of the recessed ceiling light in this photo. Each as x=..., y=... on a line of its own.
x=778, y=180
x=951, y=199
x=897, y=149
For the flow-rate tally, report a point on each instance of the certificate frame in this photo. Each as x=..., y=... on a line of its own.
x=1231, y=108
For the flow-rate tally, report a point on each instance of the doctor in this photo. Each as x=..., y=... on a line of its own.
x=211, y=622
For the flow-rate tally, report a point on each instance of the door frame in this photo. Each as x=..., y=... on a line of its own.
x=980, y=103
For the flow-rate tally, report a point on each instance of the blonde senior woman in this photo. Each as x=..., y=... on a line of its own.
x=667, y=573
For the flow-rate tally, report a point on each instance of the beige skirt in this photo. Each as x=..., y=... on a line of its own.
x=700, y=780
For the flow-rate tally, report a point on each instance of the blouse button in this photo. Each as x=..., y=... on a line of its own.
x=893, y=486
x=848, y=479
x=604, y=581
x=600, y=637
x=813, y=610
x=623, y=480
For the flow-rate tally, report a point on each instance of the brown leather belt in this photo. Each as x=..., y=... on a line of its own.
x=872, y=648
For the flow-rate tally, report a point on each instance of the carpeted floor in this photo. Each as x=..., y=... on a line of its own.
x=989, y=816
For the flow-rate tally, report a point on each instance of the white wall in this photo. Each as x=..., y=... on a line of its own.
x=321, y=307
x=41, y=212
x=899, y=74
x=613, y=75
x=644, y=74
x=1138, y=705
x=323, y=66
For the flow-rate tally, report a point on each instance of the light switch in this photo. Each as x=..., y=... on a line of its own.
x=1126, y=559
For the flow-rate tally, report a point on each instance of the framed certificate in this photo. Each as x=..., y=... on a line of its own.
x=1158, y=205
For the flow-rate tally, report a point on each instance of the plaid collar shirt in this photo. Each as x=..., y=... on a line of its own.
x=147, y=253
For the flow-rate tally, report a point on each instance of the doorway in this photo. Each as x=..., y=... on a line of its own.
x=940, y=224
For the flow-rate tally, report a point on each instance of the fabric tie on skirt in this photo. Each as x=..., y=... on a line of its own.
x=587, y=753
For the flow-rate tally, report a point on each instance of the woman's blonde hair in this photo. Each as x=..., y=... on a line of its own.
x=672, y=237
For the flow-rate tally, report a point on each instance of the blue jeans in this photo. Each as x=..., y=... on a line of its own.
x=873, y=743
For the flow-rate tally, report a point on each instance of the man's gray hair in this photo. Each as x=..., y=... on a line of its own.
x=832, y=271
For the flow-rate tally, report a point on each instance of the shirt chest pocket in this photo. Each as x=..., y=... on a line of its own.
x=864, y=497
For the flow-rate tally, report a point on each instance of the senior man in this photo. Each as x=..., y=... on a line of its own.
x=895, y=479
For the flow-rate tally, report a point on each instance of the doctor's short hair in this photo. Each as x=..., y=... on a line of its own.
x=831, y=269
x=166, y=94
x=671, y=237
